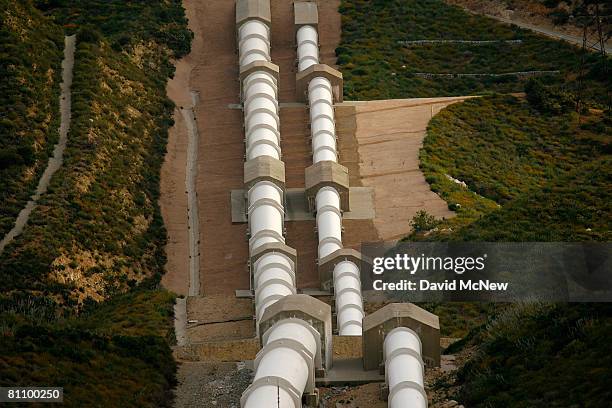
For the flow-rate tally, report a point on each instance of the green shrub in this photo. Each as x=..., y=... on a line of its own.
x=423, y=221
x=549, y=99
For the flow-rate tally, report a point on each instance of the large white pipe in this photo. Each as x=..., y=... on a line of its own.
x=308, y=47
x=322, y=120
x=265, y=214
x=347, y=285
x=261, y=116
x=254, y=42
x=329, y=221
x=349, y=305
x=404, y=369
x=285, y=363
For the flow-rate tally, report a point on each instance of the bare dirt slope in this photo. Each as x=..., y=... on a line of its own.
x=173, y=198
x=389, y=135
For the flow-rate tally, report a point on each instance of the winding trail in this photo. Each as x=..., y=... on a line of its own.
x=56, y=160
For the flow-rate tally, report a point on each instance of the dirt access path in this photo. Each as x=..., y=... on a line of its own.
x=526, y=14
x=56, y=160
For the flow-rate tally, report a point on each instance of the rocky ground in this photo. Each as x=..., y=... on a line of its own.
x=211, y=385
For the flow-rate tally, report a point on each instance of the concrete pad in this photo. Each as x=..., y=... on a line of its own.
x=349, y=372
x=296, y=205
x=229, y=350
x=218, y=318
x=387, y=136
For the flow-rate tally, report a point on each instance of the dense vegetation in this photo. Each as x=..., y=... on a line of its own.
x=533, y=355
x=376, y=65
x=548, y=174
x=31, y=50
x=114, y=355
x=79, y=289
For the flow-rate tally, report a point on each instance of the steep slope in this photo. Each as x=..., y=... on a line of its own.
x=80, y=304
x=381, y=58
x=31, y=50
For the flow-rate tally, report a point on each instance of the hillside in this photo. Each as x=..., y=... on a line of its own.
x=377, y=63
x=538, y=355
x=513, y=169
x=31, y=50
x=551, y=165
x=562, y=16
x=94, y=246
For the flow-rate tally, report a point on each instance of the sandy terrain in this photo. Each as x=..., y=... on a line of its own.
x=389, y=135
x=173, y=198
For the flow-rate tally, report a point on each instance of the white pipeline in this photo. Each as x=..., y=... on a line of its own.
x=347, y=286
x=273, y=275
x=404, y=369
x=284, y=366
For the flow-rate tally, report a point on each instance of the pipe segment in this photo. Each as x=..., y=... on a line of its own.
x=404, y=369
x=347, y=285
x=285, y=365
x=308, y=47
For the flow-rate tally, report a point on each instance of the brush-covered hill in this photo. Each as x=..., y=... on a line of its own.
x=31, y=50
x=80, y=304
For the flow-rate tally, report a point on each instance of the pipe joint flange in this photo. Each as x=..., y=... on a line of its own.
x=408, y=384
x=250, y=98
x=355, y=306
x=260, y=77
x=401, y=351
x=266, y=201
x=404, y=329
x=297, y=347
x=346, y=290
x=347, y=323
x=280, y=382
x=275, y=236
x=325, y=85
x=261, y=269
x=275, y=281
x=330, y=208
x=315, y=334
